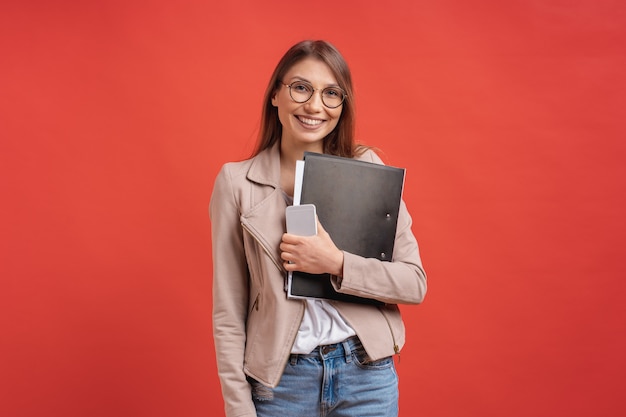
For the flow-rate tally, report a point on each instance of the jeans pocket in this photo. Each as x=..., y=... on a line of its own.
x=363, y=361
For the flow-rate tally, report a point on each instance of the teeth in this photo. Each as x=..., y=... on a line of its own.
x=310, y=122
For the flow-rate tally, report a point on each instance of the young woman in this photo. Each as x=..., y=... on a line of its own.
x=285, y=357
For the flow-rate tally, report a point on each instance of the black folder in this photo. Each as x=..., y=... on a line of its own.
x=357, y=202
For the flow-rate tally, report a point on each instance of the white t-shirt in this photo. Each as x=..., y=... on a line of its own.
x=321, y=325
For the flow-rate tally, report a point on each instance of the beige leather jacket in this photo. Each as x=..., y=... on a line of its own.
x=254, y=324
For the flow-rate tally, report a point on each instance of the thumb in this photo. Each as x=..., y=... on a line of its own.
x=320, y=228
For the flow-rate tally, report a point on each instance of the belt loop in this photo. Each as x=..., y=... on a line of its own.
x=293, y=359
x=347, y=350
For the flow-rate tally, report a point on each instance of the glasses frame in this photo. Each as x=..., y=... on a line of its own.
x=313, y=90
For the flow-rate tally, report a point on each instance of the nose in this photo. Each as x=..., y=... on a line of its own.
x=315, y=102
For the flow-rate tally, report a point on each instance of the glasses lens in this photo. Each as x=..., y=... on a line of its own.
x=300, y=92
x=332, y=97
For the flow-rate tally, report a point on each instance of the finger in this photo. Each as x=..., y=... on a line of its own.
x=291, y=239
x=320, y=228
x=287, y=256
x=287, y=247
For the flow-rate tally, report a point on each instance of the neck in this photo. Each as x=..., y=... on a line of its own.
x=290, y=154
x=288, y=157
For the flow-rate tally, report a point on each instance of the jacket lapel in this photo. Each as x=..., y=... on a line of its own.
x=265, y=216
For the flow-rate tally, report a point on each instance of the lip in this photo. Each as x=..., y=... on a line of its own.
x=313, y=123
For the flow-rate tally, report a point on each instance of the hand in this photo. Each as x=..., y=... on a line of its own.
x=312, y=254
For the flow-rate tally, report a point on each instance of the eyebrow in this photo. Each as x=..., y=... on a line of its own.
x=297, y=77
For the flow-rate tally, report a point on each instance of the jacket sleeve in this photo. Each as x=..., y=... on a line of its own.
x=230, y=296
x=401, y=281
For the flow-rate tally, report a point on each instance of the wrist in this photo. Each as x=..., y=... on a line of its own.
x=338, y=270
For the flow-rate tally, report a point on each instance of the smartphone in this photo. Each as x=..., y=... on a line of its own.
x=301, y=220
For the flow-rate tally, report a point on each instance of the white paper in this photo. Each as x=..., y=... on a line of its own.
x=297, y=188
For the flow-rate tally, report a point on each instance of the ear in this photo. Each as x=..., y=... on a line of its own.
x=274, y=101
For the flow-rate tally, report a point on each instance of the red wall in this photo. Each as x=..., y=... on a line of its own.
x=115, y=117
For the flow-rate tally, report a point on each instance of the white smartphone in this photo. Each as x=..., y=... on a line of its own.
x=301, y=220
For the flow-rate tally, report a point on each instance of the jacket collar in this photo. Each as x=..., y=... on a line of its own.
x=265, y=168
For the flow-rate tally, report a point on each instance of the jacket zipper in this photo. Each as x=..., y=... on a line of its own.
x=280, y=268
x=265, y=249
x=396, y=348
x=257, y=300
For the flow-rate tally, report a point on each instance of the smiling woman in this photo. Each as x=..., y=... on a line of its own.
x=276, y=355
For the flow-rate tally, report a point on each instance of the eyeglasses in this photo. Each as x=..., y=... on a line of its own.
x=301, y=92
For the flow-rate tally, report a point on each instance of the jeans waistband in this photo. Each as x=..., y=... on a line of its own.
x=335, y=350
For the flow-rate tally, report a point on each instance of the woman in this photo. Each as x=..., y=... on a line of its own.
x=284, y=357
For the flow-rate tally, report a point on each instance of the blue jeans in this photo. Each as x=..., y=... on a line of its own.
x=333, y=381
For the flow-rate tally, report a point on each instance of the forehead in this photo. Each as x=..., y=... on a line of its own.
x=312, y=70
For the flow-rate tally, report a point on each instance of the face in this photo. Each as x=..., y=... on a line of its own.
x=305, y=125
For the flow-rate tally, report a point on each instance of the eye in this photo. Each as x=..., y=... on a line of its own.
x=300, y=87
x=333, y=93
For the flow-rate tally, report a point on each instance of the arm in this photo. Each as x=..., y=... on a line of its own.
x=401, y=281
x=230, y=297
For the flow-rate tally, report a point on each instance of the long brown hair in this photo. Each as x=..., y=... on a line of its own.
x=341, y=140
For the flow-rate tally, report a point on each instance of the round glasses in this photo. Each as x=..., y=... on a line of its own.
x=301, y=92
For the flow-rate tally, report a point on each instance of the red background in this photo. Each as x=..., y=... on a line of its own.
x=115, y=117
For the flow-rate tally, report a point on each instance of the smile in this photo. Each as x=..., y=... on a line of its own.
x=309, y=122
